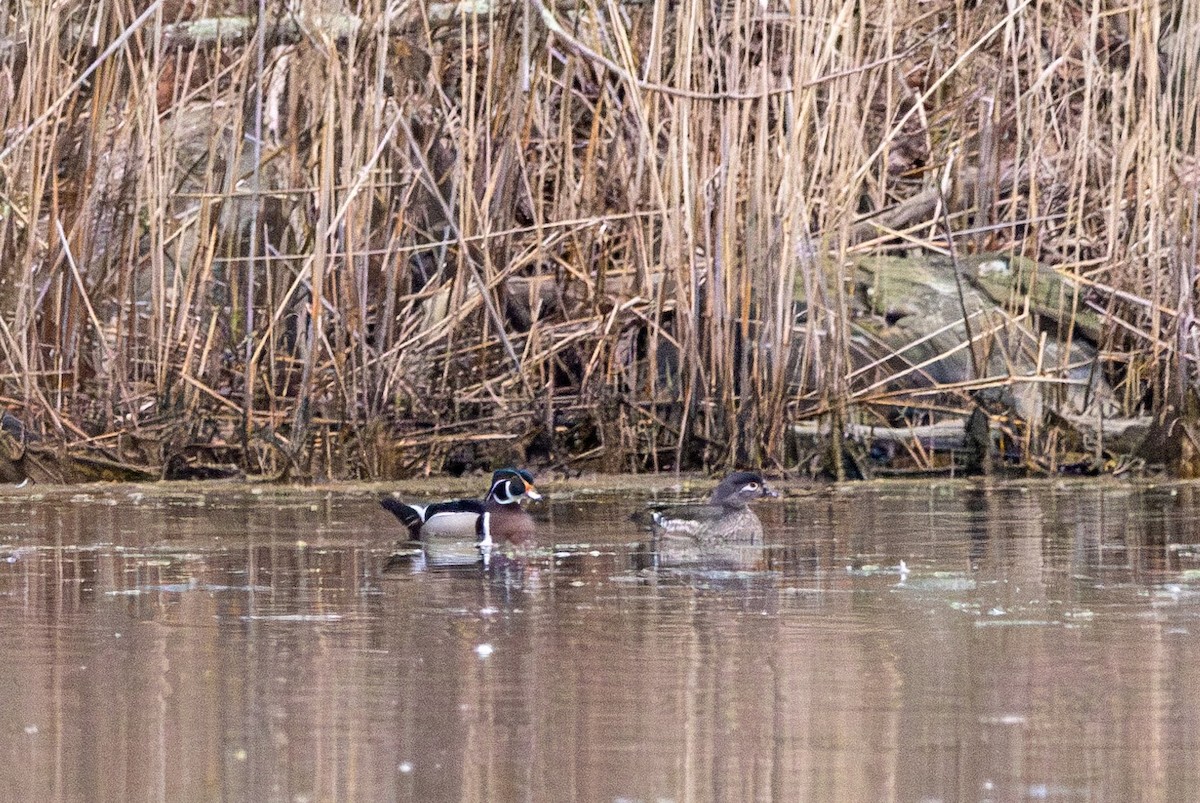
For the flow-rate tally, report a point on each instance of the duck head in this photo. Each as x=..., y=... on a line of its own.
x=740, y=488
x=511, y=485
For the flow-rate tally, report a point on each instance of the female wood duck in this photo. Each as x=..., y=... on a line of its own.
x=717, y=532
x=499, y=517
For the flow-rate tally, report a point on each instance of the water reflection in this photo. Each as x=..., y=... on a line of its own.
x=1039, y=642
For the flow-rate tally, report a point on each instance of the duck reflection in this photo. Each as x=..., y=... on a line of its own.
x=461, y=556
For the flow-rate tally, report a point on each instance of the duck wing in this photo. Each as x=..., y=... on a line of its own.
x=684, y=519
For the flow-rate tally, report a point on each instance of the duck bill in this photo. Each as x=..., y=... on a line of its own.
x=771, y=492
x=531, y=492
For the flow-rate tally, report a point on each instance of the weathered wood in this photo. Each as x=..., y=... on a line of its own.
x=949, y=434
x=292, y=28
x=1120, y=436
x=234, y=31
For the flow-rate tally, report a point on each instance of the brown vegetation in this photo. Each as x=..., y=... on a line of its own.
x=238, y=238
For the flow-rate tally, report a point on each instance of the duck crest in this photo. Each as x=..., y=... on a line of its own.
x=740, y=488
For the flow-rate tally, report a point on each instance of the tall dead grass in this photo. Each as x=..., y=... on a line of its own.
x=363, y=239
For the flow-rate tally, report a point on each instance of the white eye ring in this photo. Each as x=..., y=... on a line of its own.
x=752, y=486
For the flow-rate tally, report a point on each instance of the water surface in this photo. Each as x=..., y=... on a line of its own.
x=925, y=641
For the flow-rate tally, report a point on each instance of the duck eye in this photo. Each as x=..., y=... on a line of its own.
x=752, y=486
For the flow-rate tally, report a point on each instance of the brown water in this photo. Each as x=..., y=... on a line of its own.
x=1040, y=642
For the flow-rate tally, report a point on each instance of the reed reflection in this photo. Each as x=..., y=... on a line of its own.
x=1038, y=638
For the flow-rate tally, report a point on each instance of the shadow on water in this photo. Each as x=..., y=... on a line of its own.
x=911, y=641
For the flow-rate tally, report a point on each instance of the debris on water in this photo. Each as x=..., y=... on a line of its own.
x=293, y=617
x=31, y=729
x=180, y=588
x=869, y=569
x=488, y=611
x=1168, y=593
x=997, y=611
x=1004, y=719
x=405, y=767
x=1043, y=791
x=173, y=588
x=941, y=582
x=484, y=650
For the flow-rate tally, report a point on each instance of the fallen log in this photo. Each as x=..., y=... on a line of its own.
x=940, y=436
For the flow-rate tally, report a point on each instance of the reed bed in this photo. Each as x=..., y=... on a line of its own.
x=368, y=239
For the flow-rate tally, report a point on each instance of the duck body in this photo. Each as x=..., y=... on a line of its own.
x=707, y=523
x=723, y=532
x=469, y=528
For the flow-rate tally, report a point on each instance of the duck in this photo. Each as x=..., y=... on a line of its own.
x=475, y=524
x=724, y=531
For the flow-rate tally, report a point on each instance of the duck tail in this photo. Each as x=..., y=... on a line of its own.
x=411, y=516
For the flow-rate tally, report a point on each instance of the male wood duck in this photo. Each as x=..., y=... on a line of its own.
x=719, y=532
x=481, y=524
